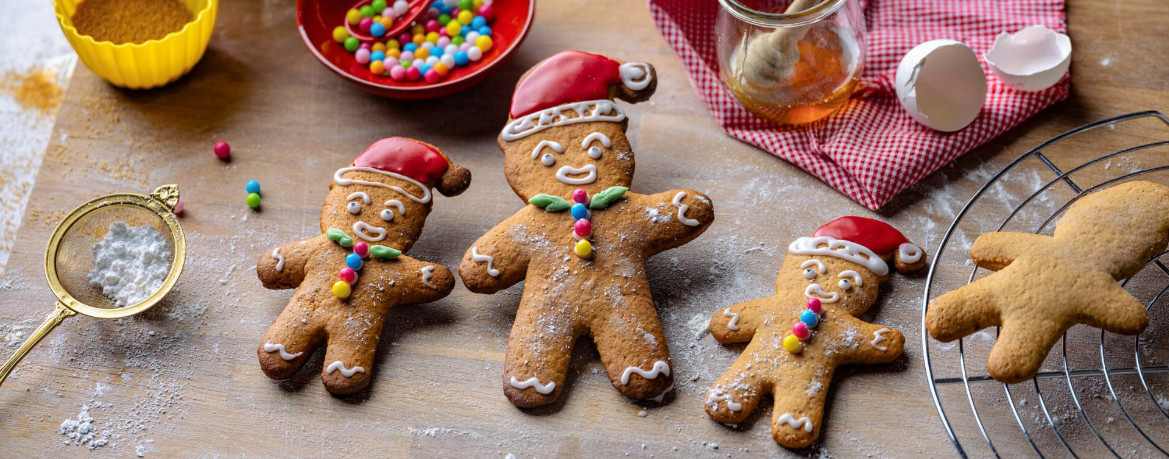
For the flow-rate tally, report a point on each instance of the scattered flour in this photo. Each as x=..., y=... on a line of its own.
x=80, y=431
x=130, y=263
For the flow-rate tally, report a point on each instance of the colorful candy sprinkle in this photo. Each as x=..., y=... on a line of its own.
x=582, y=229
x=580, y=196
x=584, y=248
x=809, y=318
x=814, y=305
x=348, y=275
x=791, y=343
x=222, y=150
x=342, y=290
x=253, y=187
x=800, y=330
x=179, y=207
x=353, y=261
x=448, y=36
x=361, y=249
x=579, y=211
x=253, y=200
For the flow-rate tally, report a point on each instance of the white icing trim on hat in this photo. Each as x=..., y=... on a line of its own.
x=840, y=248
x=589, y=110
x=344, y=181
x=909, y=253
x=635, y=75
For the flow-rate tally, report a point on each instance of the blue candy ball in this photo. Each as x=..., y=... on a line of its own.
x=809, y=318
x=423, y=68
x=478, y=22
x=377, y=30
x=486, y=31
x=410, y=47
x=377, y=56
x=461, y=58
x=436, y=51
x=579, y=211
x=353, y=261
x=253, y=187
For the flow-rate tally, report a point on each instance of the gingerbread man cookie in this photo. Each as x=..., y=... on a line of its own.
x=799, y=336
x=583, y=240
x=349, y=277
x=1046, y=284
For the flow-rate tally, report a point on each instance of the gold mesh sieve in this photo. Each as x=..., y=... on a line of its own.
x=69, y=258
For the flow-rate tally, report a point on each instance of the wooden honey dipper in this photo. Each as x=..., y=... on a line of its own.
x=771, y=57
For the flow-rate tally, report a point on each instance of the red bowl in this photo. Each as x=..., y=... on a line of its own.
x=317, y=18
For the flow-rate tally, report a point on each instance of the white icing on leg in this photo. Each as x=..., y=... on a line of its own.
x=346, y=372
x=427, y=272
x=824, y=297
x=796, y=423
x=733, y=325
x=475, y=256
x=273, y=347
x=878, y=338
x=534, y=382
x=731, y=404
x=660, y=368
x=279, y=259
x=682, y=208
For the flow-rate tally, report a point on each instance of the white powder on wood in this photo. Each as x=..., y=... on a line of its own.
x=130, y=263
x=80, y=431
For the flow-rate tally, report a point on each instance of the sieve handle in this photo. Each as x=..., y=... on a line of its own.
x=54, y=319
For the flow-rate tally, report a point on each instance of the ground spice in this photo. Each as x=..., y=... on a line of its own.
x=34, y=89
x=130, y=21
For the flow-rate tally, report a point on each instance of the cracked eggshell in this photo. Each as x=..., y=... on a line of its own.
x=941, y=85
x=1032, y=59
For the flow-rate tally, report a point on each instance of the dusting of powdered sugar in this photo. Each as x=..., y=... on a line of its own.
x=81, y=431
x=130, y=263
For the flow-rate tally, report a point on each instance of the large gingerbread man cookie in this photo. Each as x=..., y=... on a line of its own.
x=799, y=336
x=1046, y=284
x=348, y=278
x=583, y=240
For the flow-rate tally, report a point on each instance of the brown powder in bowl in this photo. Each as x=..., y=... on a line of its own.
x=130, y=21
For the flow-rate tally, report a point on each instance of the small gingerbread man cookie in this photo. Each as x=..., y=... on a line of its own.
x=349, y=277
x=583, y=240
x=799, y=336
x=1046, y=284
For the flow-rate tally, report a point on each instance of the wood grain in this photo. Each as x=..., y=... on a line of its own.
x=183, y=378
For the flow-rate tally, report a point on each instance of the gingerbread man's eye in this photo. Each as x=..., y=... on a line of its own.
x=595, y=152
x=387, y=215
x=548, y=159
x=354, y=208
x=845, y=284
x=809, y=273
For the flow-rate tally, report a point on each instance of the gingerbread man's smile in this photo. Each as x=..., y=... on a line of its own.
x=590, y=177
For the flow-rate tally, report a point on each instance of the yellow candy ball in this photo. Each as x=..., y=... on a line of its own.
x=484, y=43
x=417, y=29
x=584, y=248
x=340, y=34
x=432, y=37
x=418, y=38
x=393, y=44
x=377, y=67
x=478, y=4
x=792, y=344
x=353, y=17
x=453, y=28
x=341, y=290
x=379, y=46
x=465, y=17
x=441, y=68
x=394, y=53
x=422, y=53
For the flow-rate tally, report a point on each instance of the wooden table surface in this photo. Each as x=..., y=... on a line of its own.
x=183, y=378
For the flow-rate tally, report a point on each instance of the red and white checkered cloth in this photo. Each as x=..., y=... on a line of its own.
x=871, y=149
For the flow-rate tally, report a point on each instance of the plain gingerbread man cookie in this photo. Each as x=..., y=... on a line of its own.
x=349, y=277
x=583, y=240
x=1046, y=284
x=799, y=336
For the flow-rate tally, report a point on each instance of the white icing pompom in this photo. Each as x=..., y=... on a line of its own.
x=130, y=263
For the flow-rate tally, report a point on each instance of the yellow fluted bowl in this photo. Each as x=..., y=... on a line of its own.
x=142, y=65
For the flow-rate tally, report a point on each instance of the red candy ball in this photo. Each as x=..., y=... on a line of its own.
x=431, y=76
x=432, y=26
x=814, y=305
x=488, y=12
x=580, y=195
x=583, y=228
x=364, y=25
x=412, y=73
x=361, y=249
x=222, y=150
x=800, y=329
x=348, y=275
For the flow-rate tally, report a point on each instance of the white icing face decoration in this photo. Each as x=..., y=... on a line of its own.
x=849, y=278
x=547, y=147
x=812, y=267
x=569, y=175
x=594, y=151
x=354, y=207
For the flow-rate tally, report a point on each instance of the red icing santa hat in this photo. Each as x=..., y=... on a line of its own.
x=416, y=162
x=863, y=241
x=575, y=87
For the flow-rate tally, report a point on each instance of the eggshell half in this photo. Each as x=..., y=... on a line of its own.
x=1032, y=59
x=941, y=85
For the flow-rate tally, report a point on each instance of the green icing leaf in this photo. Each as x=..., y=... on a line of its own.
x=346, y=242
x=549, y=203
x=335, y=234
x=381, y=251
x=605, y=198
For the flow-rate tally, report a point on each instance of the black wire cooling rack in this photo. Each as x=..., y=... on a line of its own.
x=1098, y=394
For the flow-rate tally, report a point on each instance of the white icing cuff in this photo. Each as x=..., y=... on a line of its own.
x=660, y=368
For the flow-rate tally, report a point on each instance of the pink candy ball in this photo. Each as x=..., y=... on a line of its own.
x=432, y=25
x=580, y=195
x=365, y=46
x=362, y=56
x=412, y=73
x=361, y=249
x=404, y=38
x=222, y=150
x=488, y=12
x=179, y=206
x=443, y=41
x=465, y=46
x=407, y=56
x=391, y=62
x=814, y=305
x=431, y=76
x=364, y=25
x=397, y=72
x=582, y=227
x=442, y=33
x=347, y=275
x=800, y=329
